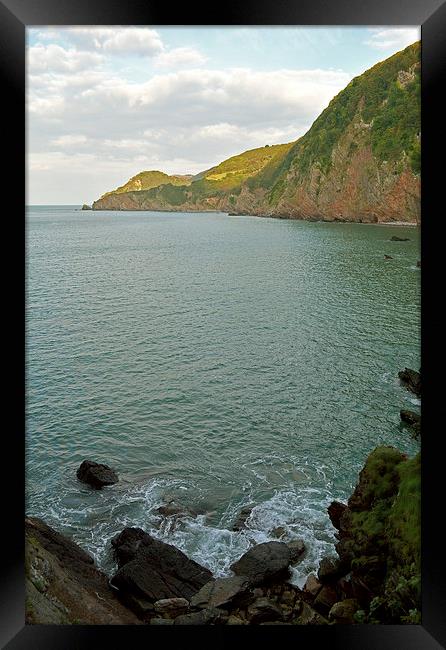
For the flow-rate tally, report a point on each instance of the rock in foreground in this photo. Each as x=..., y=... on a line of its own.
x=96, y=474
x=62, y=584
x=154, y=571
x=265, y=562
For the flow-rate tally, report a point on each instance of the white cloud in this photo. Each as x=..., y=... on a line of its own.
x=69, y=140
x=396, y=38
x=54, y=58
x=180, y=56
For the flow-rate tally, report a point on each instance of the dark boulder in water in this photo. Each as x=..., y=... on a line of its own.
x=264, y=563
x=412, y=419
x=96, y=474
x=154, y=570
x=395, y=238
x=411, y=379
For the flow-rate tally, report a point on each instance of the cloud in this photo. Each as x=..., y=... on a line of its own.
x=69, y=140
x=54, y=58
x=396, y=38
x=180, y=56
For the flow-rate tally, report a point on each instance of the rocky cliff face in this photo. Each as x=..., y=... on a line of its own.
x=360, y=161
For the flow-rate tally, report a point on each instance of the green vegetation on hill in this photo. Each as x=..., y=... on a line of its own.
x=389, y=107
x=385, y=535
x=148, y=179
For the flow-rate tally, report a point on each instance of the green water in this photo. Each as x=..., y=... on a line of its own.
x=217, y=361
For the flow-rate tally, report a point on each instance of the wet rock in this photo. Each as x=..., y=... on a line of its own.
x=325, y=600
x=329, y=569
x=297, y=550
x=96, y=474
x=312, y=585
x=243, y=515
x=419, y=264
x=278, y=532
x=222, y=592
x=335, y=511
x=388, y=257
x=171, y=509
x=210, y=616
x=395, y=238
x=158, y=571
x=412, y=419
x=172, y=607
x=126, y=544
x=343, y=611
x=411, y=379
x=265, y=562
x=309, y=616
x=262, y=610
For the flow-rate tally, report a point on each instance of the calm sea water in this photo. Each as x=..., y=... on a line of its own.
x=216, y=361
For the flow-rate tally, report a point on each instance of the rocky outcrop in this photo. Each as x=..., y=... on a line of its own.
x=412, y=419
x=151, y=570
x=63, y=586
x=96, y=475
x=377, y=576
x=411, y=379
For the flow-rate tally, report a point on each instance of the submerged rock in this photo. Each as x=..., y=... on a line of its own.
x=265, y=562
x=96, y=474
x=157, y=570
x=243, y=515
x=411, y=379
x=395, y=238
x=297, y=550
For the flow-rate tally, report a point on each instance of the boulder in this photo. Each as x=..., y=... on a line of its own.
x=210, y=616
x=158, y=571
x=411, y=379
x=263, y=563
x=297, y=550
x=395, y=238
x=412, y=419
x=419, y=264
x=161, y=621
x=388, y=257
x=325, y=599
x=222, y=592
x=329, y=569
x=335, y=511
x=235, y=620
x=278, y=532
x=96, y=474
x=309, y=616
x=172, y=607
x=262, y=610
x=343, y=611
x=126, y=544
x=243, y=515
x=312, y=585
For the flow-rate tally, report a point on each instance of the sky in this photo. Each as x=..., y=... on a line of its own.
x=104, y=103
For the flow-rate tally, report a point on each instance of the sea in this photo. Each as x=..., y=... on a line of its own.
x=215, y=362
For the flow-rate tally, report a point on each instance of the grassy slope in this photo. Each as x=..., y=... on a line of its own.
x=148, y=179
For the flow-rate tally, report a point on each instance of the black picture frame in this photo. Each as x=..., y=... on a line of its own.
x=15, y=16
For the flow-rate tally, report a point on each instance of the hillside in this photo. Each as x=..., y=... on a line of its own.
x=359, y=161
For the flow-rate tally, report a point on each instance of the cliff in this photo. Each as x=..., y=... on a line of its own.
x=359, y=161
